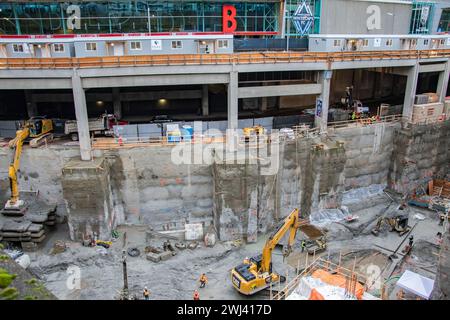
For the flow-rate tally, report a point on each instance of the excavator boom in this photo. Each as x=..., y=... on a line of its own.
x=291, y=224
x=14, y=203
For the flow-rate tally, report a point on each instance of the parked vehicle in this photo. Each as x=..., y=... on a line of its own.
x=102, y=125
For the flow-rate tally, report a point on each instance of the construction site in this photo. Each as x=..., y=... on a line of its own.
x=227, y=171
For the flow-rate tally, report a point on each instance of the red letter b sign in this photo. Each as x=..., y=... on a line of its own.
x=228, y=18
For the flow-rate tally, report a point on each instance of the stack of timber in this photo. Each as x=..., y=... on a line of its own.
x=31, y=228
x=437, y=198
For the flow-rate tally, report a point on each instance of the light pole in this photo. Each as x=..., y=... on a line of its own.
x=148, y=20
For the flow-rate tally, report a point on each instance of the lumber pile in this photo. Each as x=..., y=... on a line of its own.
x=31, y=228
x=439, y=188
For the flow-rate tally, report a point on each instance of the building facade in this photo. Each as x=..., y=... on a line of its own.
x=249, y=18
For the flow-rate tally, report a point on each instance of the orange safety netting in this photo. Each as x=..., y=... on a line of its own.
x=334, y=280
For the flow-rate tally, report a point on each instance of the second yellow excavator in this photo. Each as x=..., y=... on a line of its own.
x=256, y=273
x=39, y=130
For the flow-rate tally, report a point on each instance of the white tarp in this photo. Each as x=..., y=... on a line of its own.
x=193, y=231
x=322, y=217
x=417, y=284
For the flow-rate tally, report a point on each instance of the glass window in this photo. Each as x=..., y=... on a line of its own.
x=425, y=42
x=442, y=42
x=337, y=43
x=389, y=43
x=18, y=47
x=114, y=16
x=136, y=45
x=91, y=46
x=177, y=44
x=365, y=42
x=222, y=44
x=58, y=47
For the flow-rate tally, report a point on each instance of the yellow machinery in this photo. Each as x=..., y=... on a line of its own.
x=256, y=274
x=39, y=130
x=397, y=221
x=250, y=131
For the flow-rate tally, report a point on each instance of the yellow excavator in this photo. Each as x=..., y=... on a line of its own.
x=255, y=274
x=37, y=131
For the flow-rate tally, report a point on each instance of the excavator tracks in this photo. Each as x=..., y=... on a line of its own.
x=39, y=141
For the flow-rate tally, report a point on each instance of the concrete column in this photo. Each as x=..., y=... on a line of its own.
x=323, y=101
x=117, y=104
x=31, y=105
x=263, y=101
x=233, y=101
x=410, y=92
x=264, y=104
x=205, y=100
x=79, y=98
x=443, y=82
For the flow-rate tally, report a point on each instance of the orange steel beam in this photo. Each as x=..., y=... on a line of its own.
x=215, y=59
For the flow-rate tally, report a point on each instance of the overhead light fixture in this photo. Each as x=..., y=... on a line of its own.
x=162, y=102
x=112, y=44
x=99, y=103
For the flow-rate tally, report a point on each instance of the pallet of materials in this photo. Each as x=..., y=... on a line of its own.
x=427, y=112
x=437, y=199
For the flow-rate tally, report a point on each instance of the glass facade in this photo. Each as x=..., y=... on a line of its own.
x=291, y=7
x=135, y=16
x=444, y=23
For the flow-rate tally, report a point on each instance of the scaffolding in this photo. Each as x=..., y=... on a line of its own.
x=352, y=278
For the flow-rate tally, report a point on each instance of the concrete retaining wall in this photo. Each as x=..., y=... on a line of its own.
x=144, y=186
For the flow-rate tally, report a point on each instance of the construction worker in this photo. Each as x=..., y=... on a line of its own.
x=400, y=294
x=354, y=115
x=203, y=280
x=439, y=238
x=246, y=260
x=146, y=293
x=196, y=295
x=411, y=241
x=441, y=219
x=303, y=245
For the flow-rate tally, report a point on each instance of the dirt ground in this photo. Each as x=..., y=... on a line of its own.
x=177, y=278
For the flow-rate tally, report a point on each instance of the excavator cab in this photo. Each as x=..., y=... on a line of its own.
x=39, y=126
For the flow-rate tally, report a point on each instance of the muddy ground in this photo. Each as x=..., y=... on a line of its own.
x=176, y=278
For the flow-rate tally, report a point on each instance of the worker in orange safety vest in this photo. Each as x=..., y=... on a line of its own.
x=196, y=295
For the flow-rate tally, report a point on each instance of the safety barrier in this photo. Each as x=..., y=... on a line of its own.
x=216, y=59
x=298, y=131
